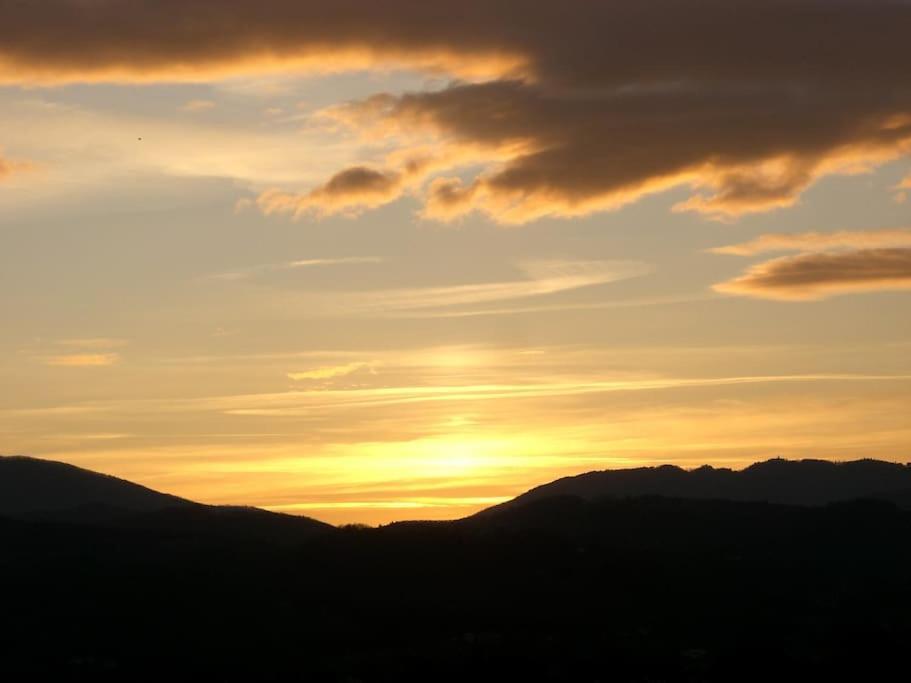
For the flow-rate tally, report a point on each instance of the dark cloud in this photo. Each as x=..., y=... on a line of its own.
x=570, y=107
x=819, y=275
x=350, y=190
x=578, y=42
x=574, y=152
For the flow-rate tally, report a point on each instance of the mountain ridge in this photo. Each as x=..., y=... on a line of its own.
x=790, y=482
x=34, y=485
x=52, y=491
x=560, y=588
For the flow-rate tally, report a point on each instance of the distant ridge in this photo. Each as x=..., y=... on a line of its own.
x=559, y=588
x=36, y=489
x=789, y=482
x=31, y=485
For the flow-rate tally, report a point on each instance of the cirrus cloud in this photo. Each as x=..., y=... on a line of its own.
x=818, y=241
x=83, y=360
x=329, y=371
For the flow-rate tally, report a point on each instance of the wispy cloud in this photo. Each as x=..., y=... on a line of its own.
x=321, y=400
x=251, y=271
x=555, y=308
x=9, y=167
x=195, y=106
x=306, y=263
x=542, y=278
x=819, y=241
x=302, y=403
x=329, y=371
x=83, y=360
x=94, y=342
x=901, y=190
x=78, y=144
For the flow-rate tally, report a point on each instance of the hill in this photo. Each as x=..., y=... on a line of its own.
x=788, y=482
x=560, y=588
x=30, y=486
x=44, y=490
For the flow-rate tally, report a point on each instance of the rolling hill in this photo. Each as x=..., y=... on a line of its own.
x=44, y=490
x=788, y=482
x=563, y=587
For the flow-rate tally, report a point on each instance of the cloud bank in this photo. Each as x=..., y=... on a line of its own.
x=562, y=110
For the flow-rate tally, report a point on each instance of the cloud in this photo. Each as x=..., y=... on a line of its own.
x=580, y=43
x=819, y=241
x=348, y=260
x=245, y=273
x=355, y=189
x=351, y=190
x=901, y=190
x=5, y=168
x=67, y=41
x=77, y=148
x=194, y=106
x=94, y=342
x=565, y=152
x=535, y=279
x=541, y=278
x=747, y=103
x=328, y=372
x=813, y=276
x=8, y=167
x=83, y=360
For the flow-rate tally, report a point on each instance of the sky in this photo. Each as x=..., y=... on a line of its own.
x=375, y=261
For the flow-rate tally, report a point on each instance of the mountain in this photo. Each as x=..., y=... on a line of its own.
x=30, y=486
x=626, y=588
x=44, y=490
x=791, y=482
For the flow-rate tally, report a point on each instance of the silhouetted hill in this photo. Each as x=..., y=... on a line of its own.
x=792, y=482
x=626, y=590
x=625, y=587
x=225, y=523
x=44, y=490
x=31, y=486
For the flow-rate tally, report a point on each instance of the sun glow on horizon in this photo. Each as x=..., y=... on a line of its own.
x=390, y=263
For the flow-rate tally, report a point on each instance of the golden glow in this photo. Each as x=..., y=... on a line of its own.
x=396, y=449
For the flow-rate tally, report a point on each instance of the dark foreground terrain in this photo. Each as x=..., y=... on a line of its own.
x=559, y=588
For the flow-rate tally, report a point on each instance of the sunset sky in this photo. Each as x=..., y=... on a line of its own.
x=369, y=261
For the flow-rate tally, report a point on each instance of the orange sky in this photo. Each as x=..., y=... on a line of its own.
x=375, y=261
